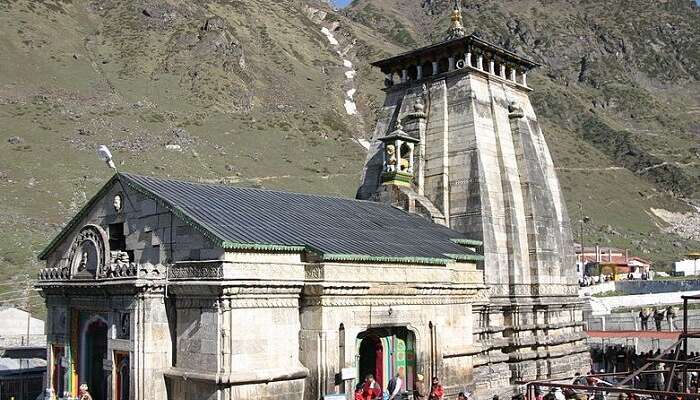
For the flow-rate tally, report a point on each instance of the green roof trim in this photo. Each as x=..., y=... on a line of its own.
x=468, y=242
x=385, y=259
x=218, y=239
x=227, y=245
x=466, y=257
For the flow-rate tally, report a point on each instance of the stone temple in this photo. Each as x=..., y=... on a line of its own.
x=460, y=266
x=458, y=141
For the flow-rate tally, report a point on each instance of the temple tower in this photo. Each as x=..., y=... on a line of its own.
x=458, y=141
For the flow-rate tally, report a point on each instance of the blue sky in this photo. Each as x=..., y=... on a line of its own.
x=343, y=3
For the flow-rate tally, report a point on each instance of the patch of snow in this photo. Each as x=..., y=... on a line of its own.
x=350, y=107
x=329, y=35
x=362, y=142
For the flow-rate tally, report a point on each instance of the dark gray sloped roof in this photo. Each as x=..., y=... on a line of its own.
x=335, y=228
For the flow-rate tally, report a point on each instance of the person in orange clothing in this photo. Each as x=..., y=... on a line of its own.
x=436, y=390
x=371, y=389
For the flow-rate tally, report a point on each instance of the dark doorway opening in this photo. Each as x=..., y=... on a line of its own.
x=371, y=359
x=122, y=383
x=95, y=352
x=386, y=351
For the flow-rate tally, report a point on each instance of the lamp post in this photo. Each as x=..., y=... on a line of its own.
x=583, y=219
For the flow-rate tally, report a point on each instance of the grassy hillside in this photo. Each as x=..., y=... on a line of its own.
x=243, y=92
x=618, y=96
x=252, y=92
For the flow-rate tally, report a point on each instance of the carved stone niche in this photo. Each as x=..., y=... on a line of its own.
x=123, y=325
x=89, y=253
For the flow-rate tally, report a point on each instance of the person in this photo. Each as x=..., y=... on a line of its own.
x=371, y=389
x=436, y=390
x=395, y=386
x=358, y=391
x=555, y=393
x=83, y=393
x=49, y=394
x=420, y=392
x=644, y=315
x=658, y=318
x=461, y=396
x=538, y=394
x=670, y=318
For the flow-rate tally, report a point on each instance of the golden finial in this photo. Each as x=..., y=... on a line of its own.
x=456, y=28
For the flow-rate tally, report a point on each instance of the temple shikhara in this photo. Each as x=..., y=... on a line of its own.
x=456, y=261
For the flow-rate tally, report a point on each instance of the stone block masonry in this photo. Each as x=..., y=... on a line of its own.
x=484, y=164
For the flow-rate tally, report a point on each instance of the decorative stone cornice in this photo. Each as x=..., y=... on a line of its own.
x=196, y=270
x=346, y=301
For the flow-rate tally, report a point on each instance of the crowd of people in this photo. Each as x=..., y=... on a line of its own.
x=658, y=315
x=588, y=280
x=371, y=390
x=621, y=358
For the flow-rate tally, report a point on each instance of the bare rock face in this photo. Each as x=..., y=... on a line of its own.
x=15, y=140
x=214, y=23
x=160, y=14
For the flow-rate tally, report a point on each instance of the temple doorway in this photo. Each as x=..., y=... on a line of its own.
x=384, y=352
x=122, y=377
x=371, y=358
x=93, y=351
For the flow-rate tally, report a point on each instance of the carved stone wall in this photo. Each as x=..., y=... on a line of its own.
x=487, y=168
x=153, y=236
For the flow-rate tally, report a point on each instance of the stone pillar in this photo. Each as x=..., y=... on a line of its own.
x=492, y=67
x=435, y=68
x=398, y=143
x=153, y=355
x=451, y=62
x=512, y=74
x=410, y=158
x=524, y=78
x=404, y=75
x=480, y=62
x=503, y=71
x=468, y=59
x=419, y=72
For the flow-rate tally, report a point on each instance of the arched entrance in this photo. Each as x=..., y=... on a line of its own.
x=371, y=358
x=93, y=351
x=384, y=352
x=122, y=378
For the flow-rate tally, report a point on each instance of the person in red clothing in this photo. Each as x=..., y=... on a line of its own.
x=358, y=391
x=436, y=390
x=371, y=389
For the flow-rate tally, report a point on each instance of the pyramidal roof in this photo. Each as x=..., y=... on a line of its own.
x=335, y=228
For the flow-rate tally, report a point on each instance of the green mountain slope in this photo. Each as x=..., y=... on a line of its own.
x=618, y=96
x=244, y=92
x=254, y=93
